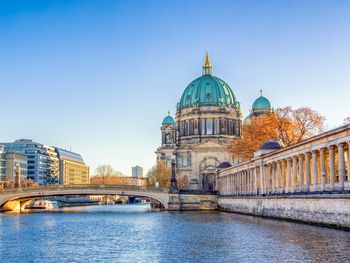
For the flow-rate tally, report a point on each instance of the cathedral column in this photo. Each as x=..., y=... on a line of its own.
x=323, y=169
x=294, y=177
x=341, y=165
x=331, y=168
x=301, y=172
x=288, y=175
x=314, y=169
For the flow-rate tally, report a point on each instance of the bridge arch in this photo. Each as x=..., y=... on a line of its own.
x=26, y=194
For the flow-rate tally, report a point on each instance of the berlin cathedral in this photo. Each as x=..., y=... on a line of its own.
x=207, y=117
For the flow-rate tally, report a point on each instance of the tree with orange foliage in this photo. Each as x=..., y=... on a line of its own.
x=285, y=125
x=161, y=174
x=297, y=125
x=259, y=130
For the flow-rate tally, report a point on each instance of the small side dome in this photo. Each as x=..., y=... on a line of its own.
x=271, y=145
x=168, y=120
x=261, y=104
x=224, y=165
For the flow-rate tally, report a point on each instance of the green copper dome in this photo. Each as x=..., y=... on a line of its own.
x=261, y=103
x=168, y=120
x=207, y=90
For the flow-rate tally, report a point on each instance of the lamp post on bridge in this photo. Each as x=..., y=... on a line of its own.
x=18, y=175
x=173, y=181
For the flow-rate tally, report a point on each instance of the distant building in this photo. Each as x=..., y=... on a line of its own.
x=120, y=180
x=137, y=171
x=72, y=168
x=2, y=163
x=12, y=160
x=42, y=160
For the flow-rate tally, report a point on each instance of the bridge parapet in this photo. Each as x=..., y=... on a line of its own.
x=28, y=193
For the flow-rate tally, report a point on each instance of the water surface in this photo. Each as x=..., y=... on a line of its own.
x=132, y=233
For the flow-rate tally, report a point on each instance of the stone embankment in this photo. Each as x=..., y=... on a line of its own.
x=328, y=210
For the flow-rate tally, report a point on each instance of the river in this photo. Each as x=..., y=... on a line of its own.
x=133, y=233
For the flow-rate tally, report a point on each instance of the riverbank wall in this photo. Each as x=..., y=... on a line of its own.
x=327, y=209
x=192, y=201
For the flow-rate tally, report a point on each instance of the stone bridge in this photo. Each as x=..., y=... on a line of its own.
x=18, y=198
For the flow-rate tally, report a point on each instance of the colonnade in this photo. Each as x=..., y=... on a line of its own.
x=321, y=168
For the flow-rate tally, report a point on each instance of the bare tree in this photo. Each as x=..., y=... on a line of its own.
x=104, y=171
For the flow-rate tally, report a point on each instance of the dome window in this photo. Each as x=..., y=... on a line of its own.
x=208, y=96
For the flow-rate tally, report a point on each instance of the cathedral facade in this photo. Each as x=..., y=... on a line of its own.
x=208, y=115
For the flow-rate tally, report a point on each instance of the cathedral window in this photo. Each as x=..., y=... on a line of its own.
x=203, y=126
x=209, y=126
x=195, y=127
x=191, y=127
x=230, y=127
x=216, y=127
x=223, y=127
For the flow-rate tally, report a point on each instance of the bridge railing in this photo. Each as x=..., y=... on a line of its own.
x=86, y=186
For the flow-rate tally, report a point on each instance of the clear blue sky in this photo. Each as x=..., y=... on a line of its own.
x=99, y=76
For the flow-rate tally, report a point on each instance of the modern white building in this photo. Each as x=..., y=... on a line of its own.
x=42, y=160
x=2, y=163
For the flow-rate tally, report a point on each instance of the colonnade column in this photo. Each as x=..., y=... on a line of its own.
x=348, y=161
x=331, y=168
x=288, y=175
x=301, y=172
x=262, y=178
x=314, y=169
x=268, y=179
x=294, y=178
x=273, y=174
x=283, y=176
x=278, y=172
x=307, y=171
x=323, y=169
x=341, y=167
x=255, y=181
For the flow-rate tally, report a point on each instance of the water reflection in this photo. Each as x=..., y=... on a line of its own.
x=132, y=233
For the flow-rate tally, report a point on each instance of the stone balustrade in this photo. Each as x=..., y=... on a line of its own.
x=319, y=164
